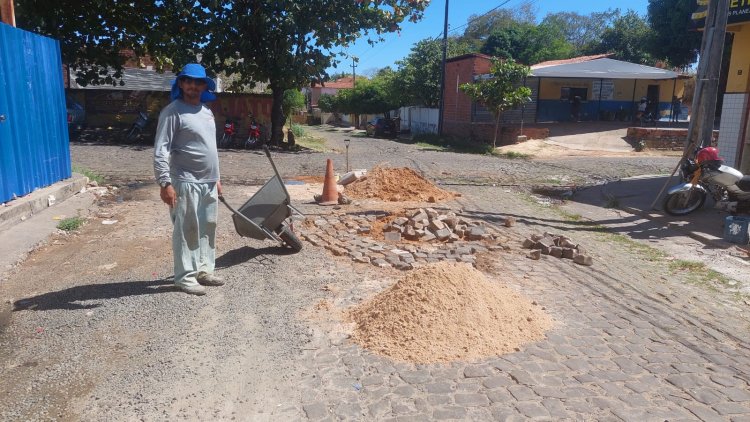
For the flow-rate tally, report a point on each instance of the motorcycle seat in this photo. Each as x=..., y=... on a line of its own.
x=744, y=183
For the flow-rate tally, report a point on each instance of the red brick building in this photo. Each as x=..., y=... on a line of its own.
x=463, y=117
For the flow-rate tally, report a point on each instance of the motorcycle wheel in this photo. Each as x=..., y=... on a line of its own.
x=683, y=203
x=290, y=239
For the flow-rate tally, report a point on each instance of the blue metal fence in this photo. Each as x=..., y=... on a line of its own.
x=34, y=145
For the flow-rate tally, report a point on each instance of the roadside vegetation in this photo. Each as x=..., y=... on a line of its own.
x=305, y=140
x=70, y=224
x=90, y=174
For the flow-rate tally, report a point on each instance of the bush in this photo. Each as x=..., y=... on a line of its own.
x=70, y=224
x=298, y=130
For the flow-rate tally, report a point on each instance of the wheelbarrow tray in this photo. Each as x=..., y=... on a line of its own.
x=267, y=209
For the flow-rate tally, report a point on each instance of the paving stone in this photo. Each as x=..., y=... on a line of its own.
x=315, y=411
x=380, y=408
x=506, y=414
x=475, y=371
x=452, y=412
x=349, y=411
x=577, y=364
x=729, y=408
x=555, y=407
x=532, y=410
x=548, y=392
x=497, y=381
x=439, y=388
x=705, y=396
x=471, y=399
x=467, y=387
x=726, y=381
x=439, y=399
x=372, y=380
x=404, y=391
x=522, y=377
x=704, y=413
x=402, y=406
x=630, y=415
x=522, y=393
x=736, y=394
x=413, y=418
x=500, y=396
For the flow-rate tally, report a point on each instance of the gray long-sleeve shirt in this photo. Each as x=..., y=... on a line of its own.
x=185, y=144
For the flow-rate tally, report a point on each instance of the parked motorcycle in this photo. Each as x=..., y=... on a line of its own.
x=228, y=138
x=137, y=127
x=707, y=175
x=253, y=136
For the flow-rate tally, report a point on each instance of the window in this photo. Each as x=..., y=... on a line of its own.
x=568, y=93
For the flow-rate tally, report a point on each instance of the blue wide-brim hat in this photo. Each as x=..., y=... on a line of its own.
x=195, y=71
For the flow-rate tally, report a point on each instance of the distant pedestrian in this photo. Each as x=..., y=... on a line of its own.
x=575, y=109
x=676, y=108
x=186, y=165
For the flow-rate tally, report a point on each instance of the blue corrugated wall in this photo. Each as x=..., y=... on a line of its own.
x=34, y=150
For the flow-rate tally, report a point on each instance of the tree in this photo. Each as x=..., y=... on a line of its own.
x=480, y=27
x=293, y=101
x=672, y=40
x=528, y=43
x=503, y=91
x=419, y=72
x=289, y=43
x=628, y=39
x=581, y=31
x=94, y=33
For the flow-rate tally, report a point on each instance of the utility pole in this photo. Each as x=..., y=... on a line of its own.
x=442, y=71
x=354, y=75
x=700, y=129
x=6, y=12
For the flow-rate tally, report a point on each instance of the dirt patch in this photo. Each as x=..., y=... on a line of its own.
x=395, y=185
x=445, y=312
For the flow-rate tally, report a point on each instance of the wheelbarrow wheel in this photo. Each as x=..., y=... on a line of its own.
x=290, y=239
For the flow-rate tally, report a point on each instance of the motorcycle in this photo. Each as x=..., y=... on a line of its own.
x=707, y=175
x=137, y=127
x=228, y=138
x=253, y=136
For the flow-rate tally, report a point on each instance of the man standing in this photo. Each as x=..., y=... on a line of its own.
x=186, y=165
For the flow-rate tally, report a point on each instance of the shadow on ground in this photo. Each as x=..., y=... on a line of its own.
x=78, y=297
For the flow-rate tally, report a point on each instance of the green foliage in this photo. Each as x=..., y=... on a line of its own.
x=479, y=27
x=419, y=72
x=329, y=103
x=672, y=41
x=582, y=32
x=528, y=43
x=90, y=174
x=502, y=91
x=70, y=224
x=294, y=101
x=452, y=144
x=379, y=95
x=297, y=130
x=514, y=155
x=628, y=39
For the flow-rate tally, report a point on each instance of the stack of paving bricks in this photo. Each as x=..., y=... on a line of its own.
x=346, y=235
x=427, y=224
x=557, y=246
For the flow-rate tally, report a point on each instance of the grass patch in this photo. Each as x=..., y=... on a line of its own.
x=698, y=273
x=297, y=130
x=513, y=155
x=90, y=174
x=451, y=144
x=310, y=142
x=70, y=224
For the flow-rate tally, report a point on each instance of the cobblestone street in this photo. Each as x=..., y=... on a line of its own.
x=640, y=335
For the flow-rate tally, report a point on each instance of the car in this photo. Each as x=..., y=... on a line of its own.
x=381, y=126
x=76, y=117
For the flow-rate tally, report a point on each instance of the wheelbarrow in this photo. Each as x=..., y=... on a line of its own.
x=266, y=215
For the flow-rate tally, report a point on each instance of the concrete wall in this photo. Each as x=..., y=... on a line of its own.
x=419, y=119
x=619, y=97
x=734, y=141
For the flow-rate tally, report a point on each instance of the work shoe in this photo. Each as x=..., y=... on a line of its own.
x=192, y=289
x=208, y=279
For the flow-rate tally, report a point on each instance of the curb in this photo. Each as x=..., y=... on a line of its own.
x=24, y=207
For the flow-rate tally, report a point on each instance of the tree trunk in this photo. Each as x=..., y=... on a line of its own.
x=497, y=123
x=277, y=115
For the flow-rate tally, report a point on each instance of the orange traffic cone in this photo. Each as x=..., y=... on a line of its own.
x=330, y=194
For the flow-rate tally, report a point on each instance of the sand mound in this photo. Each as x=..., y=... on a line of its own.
x=447, y=311
x=396, y=184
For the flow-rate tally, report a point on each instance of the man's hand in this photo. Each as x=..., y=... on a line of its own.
x=218, y=188
x=169, y=196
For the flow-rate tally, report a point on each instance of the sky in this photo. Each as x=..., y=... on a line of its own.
x=397, y=45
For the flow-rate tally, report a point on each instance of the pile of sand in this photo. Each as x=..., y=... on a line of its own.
x=396, y=184
x=444, y=312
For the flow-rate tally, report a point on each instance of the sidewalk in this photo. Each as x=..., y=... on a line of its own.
x=28, y=221
x=624, y=206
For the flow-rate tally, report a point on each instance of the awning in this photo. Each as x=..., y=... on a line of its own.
x=602, y=69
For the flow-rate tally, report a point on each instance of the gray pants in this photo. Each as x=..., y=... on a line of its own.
x=194, y=235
